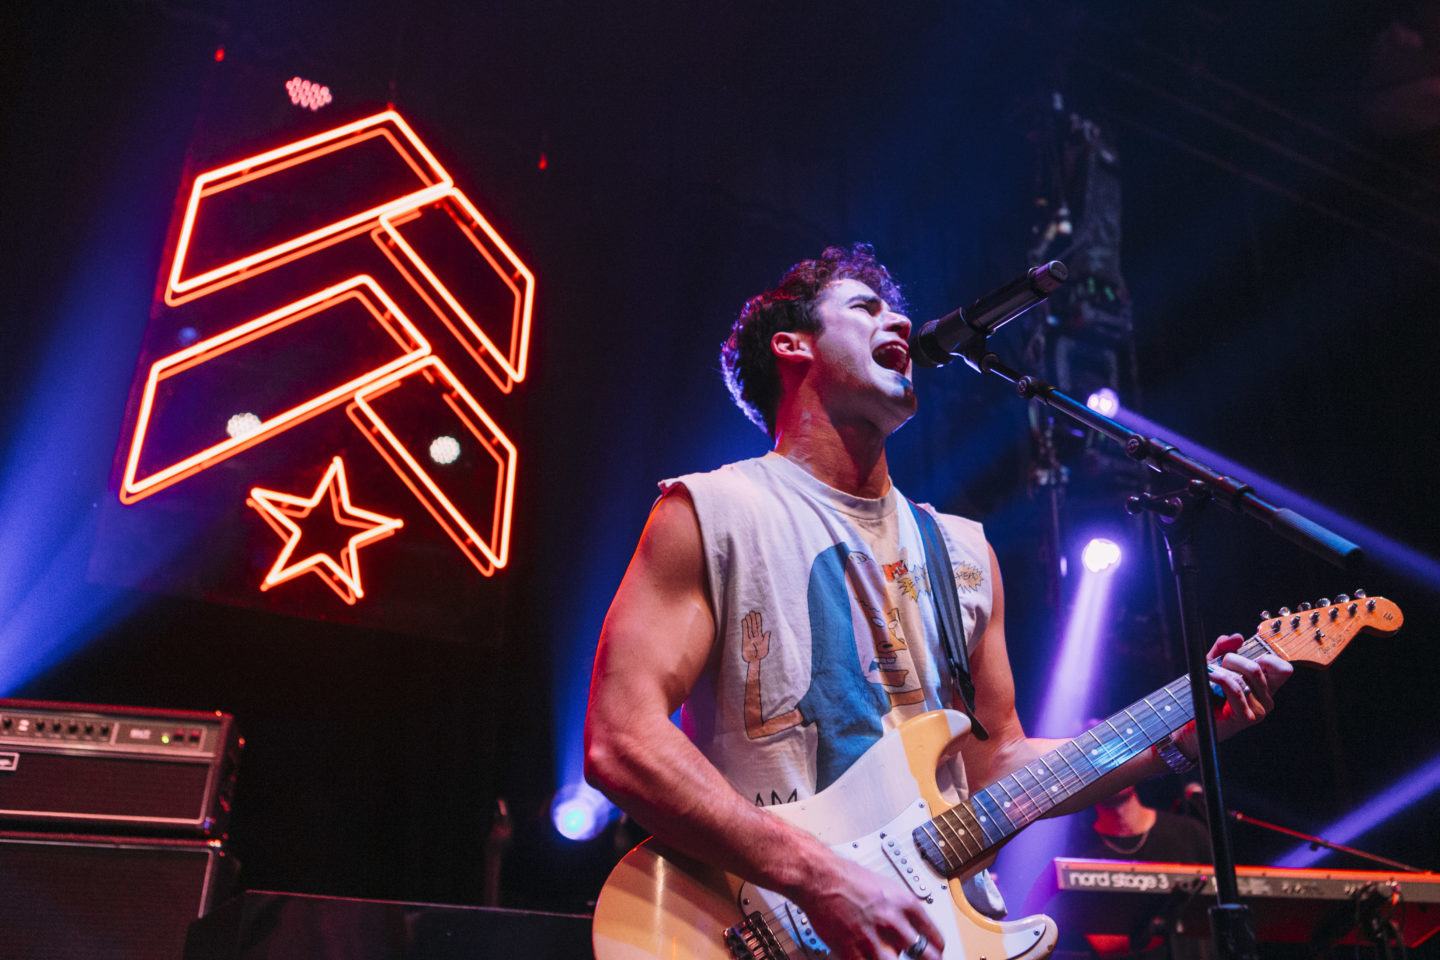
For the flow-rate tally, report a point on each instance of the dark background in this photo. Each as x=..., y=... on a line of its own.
x=1281, y=252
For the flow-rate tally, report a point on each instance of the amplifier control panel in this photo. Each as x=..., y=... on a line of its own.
x=109, y=733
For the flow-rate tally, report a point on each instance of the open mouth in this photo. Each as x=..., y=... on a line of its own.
x=893, y=356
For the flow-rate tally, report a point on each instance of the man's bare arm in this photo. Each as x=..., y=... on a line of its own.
x=1009, y=748
x=656, y=641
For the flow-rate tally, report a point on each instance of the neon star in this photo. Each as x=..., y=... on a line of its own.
x=282, y=510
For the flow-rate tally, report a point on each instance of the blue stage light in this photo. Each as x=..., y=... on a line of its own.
x=1394, y=555
x=580, y=812
x=1398, y=798
x=1066, y=707
x=1101, y=555
x=1104, y=401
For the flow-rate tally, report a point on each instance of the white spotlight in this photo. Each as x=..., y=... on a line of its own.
x=242, y=425
x=579, y=812
x=1101, y=555
x=445, y=450
x=1104, y=401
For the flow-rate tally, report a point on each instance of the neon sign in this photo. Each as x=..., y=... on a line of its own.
x=282, y=510
x=388, y=376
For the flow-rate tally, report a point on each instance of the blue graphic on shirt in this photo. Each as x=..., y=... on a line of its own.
x=844, y=706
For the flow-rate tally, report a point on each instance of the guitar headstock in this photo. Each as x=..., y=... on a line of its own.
x=1315, y=634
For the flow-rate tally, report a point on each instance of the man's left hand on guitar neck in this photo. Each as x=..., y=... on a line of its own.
x=1249, y=687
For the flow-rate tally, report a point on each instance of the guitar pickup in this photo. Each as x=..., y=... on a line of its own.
x=906, y=861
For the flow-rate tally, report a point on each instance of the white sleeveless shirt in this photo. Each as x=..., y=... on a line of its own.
x=826, y=634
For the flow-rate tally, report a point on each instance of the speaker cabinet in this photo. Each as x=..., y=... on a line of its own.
x=85, y=897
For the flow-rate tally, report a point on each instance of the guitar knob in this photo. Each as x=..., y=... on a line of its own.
x=1360, y=594
x=1305, y=606
x=1370, y=605
x=1323, y=602
x=1264, y=614
x=1284, y=611
x=1343, y=598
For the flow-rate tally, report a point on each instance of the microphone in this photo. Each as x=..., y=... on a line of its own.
x=940, y=341
x=1191, y=803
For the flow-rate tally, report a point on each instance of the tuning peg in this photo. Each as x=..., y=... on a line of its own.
x=1305, y=606
x=1360, y=594
x=1284, y=611
x=1343, y=598
x=1323, y=602
x=1315, y=616
x=1264, y=614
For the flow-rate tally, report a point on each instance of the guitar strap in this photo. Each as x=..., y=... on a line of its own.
x=947, y=614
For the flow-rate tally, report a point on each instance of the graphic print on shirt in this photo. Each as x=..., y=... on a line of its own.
x=888, y=637
x=907, y=579
x=968, y=577
x=754, y=647
x=861, y=664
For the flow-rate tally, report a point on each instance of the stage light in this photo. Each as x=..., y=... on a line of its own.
x=306, y=94
x=1400, y=797
x=1066, y=706
x=445, y=450
x=580, y=812
x=1398, y=557
x=186, y=336
x=241, y=425
x=1101, y=555
x=1104, y=402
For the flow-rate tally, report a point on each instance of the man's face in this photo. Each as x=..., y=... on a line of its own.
x=862, y=357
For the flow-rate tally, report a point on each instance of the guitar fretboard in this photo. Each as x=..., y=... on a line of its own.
x=963, y=834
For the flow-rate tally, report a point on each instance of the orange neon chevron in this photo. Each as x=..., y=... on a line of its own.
x=485, y=541
x=502, y=260
x=411, y=345
x=432, y=181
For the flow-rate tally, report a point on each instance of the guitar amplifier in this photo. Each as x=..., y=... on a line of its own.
x=88, y=897
x=121, y=769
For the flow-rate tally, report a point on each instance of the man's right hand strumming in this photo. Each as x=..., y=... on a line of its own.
x=863, y=915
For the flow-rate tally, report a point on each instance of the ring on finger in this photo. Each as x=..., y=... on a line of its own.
x=918, y=947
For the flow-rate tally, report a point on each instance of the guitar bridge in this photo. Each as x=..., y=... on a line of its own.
x=752, y=939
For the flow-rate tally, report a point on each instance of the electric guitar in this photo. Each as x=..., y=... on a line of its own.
x=886, y=813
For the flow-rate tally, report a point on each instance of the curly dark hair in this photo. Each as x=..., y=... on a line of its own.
x=745, y=357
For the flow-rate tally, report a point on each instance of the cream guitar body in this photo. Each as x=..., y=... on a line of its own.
x=660, y=904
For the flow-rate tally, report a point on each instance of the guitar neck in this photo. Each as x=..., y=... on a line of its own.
x=963, y=834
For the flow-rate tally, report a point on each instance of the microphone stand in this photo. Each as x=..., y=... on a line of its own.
x=1177, y=513
x=1318, y=842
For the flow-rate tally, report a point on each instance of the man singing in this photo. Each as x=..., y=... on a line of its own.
x=785, y=602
